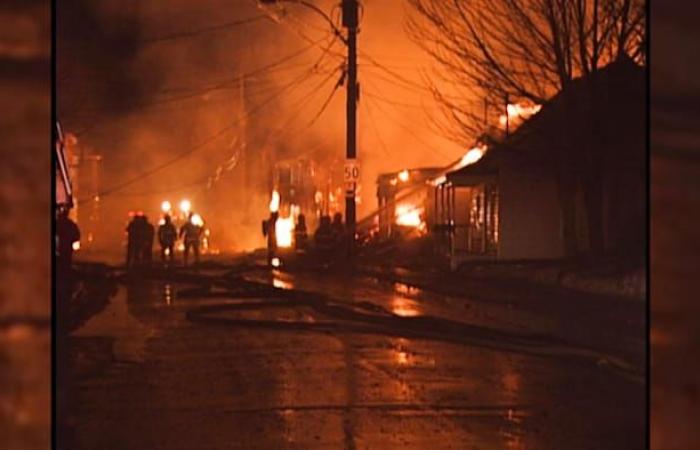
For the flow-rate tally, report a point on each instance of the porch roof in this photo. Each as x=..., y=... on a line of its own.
x=538, y=141
x=486, y=169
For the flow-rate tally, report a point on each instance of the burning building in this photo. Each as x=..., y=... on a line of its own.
x=83, y=167
x=526, y=200
x=403, y=200
x=301, y=186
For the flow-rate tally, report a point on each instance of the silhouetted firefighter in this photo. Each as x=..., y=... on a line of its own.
x=67, y=233
x=192, y=233
x=140, y=235
x=133, y=242
x=268, y=229
x=300, y=233
x=324, y=239
x=167, y=235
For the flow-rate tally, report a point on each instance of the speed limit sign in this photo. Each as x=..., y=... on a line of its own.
x=352, y=171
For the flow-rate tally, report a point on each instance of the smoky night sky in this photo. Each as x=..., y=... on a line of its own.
x=152, y=84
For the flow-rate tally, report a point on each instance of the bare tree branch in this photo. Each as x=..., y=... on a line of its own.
x=528, y=49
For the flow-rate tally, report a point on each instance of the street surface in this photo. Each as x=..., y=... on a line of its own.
x=327, y=361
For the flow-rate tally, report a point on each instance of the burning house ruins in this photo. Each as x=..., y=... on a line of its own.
x=526, y=199
x=521, y=195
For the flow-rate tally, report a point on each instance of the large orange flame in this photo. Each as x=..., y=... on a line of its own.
x=517, y=113
x=284, y=231
x=408, y=215
x=275, y=202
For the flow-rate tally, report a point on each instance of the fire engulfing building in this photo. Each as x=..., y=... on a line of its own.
x=301, y=186
x=403, y=200
x=406, y=200
x=82, y=166
x=571, y=180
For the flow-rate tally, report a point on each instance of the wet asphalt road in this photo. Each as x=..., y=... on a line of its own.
x=370, y=365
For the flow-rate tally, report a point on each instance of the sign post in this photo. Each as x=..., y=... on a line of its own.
x=350, y=22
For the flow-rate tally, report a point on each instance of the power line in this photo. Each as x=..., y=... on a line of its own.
x=306, y=96
x=408, y=129
x=328, y=100
x=296, y=114
x=201, y=31
x=308, y=39
x=394, y=102
x=304, y=23
x=223, y=84
x=316, y=89
x=407, y=84
x=178, y=188
x=394, y=82
x=265, y=68
x=157, y=107
x=394, y=74
x=382, y=144
x=268, y=68
x=199, y=146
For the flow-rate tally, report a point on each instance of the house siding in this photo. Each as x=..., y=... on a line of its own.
x=529, y=214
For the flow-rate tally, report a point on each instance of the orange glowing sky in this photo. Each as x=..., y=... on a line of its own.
x=144, y=128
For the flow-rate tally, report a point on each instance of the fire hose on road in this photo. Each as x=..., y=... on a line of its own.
x=322, y=314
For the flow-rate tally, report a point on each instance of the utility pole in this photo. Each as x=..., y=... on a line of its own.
x=350, y=21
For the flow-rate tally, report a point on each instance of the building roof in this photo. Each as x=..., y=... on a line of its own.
x=418, y=173
x=614, y=97
x=389, y=182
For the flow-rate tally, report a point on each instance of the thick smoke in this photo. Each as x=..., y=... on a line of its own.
x=156, y=88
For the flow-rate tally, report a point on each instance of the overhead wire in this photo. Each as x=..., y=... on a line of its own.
x=405, y=83
x=326, y=102
x=205, y=30
x=250, y=113
x=373, y=125
x=222, y=84
x=313, y=70
x=199, y=146
x=268, y=68
x=394, y=102
x=393, y=73
x=408, y=129
x=303, y=36
x=316, y=89
x=172, y=189
x=325, y=51
x=394, y=82
x=300, y=105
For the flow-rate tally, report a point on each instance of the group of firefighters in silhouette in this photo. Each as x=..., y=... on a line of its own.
x=329, y=237
x=141, y=236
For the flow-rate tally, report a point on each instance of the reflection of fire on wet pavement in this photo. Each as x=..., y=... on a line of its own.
x=294, y=368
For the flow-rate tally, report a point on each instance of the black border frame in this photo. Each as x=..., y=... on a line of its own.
x=647, y=437
x=53, y=4
x=52, y=144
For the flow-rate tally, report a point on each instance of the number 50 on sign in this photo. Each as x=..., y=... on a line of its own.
x=352, y=171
